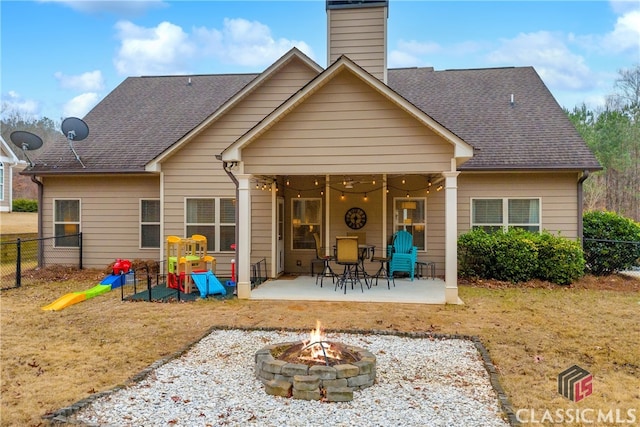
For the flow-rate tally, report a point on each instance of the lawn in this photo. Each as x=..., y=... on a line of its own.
x=532, y=332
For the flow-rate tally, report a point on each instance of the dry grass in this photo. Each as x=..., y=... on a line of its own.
x=18, y=222
x=52, y=359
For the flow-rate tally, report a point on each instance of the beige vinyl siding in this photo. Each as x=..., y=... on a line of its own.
x=360, y=34
x=261, y=227
x=109, y=217
x=194, y=171
x=557, y=192
x=345, y=127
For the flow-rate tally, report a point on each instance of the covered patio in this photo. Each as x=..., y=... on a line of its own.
x=304, y=288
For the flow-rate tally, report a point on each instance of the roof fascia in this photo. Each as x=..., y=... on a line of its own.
x=11, y=155
x=462, y=150
x=155, y=164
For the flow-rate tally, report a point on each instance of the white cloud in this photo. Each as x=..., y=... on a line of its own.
x=625, y=35
x=169, y=49
x=624, y=6
x=164, y=49
x=12, y=101
x=90, y=81
x=80, y=105
x=557, y=65
x=398, y=59
x=414, y=47
x=245, y=43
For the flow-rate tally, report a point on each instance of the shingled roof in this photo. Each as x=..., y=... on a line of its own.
x=144, y=116
x=139, y=120
x=532, y=133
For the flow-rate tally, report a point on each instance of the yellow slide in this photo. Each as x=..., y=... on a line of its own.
x=65, y=301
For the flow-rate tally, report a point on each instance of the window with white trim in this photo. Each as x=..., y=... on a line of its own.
x=504, y=213
x=214, y=218
x=410, y=214
x=1, y=181
x=306, y=219
x=66, y=223
x=149, y=223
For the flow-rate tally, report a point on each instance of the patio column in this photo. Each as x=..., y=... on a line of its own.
x=243, y=263
x=451, y=237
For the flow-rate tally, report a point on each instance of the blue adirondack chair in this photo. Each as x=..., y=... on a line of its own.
x=403, y=254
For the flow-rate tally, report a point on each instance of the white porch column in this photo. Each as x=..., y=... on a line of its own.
x=451, y=237
x=243, y=245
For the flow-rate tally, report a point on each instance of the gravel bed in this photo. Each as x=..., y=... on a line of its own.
x=419, y=382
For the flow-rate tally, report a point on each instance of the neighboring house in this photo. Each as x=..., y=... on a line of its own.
x=8, y=161
x=264, y=160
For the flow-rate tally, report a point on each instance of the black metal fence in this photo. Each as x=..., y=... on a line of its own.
x=22, y=259
x=604, y=257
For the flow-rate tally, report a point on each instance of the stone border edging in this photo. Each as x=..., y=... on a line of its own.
x=62, y=415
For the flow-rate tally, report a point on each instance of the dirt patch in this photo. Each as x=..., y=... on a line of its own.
x=614, y=282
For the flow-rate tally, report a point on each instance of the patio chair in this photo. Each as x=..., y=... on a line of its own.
x=347, y=255
x=403, y=254
x=383, y=270
x=325, y=259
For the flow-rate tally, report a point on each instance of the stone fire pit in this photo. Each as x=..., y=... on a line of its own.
x=315, y=370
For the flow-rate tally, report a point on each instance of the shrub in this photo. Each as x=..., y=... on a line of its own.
x=611, y=242
x=24, y=205
x=516, y=256
x=475, y=254
x=519, y=256
x=560, y=260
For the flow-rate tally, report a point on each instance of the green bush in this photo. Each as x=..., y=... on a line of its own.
x=516, y=256
x=475, y=254
x=519, y=256
x=25, y=205
x=560, y=260
x=611, y=242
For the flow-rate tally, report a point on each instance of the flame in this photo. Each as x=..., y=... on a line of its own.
x=319, y=345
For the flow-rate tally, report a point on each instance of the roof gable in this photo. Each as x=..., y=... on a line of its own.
x=462, y=150
x=293, y=55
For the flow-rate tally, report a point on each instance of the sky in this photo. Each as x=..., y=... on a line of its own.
x=59, y=58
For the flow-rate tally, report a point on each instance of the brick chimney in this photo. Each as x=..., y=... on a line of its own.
x=358, y=29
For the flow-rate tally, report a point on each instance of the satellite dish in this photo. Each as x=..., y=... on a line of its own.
x=75, y=129
x=27, y=141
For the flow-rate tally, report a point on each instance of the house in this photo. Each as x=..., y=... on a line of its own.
x=8, y=161
x=264, y=160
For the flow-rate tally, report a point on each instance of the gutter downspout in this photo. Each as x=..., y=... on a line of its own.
x=226, y=167
x=582, y=179
x=40, y=202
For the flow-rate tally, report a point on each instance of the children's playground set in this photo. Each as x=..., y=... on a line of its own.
x=187, y=264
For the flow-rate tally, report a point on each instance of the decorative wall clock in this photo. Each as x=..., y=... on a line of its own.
x=355, y=218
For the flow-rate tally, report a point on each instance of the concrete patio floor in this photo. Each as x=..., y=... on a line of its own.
x=304, y=288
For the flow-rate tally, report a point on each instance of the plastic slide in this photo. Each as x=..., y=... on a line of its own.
x=208, y=284
x=110, y=282
x=66, y=301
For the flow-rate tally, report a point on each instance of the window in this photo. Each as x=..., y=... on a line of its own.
x=500, y=214
x=66, y=223
x=306, y=219
x=149, y=223
x=1, y=181
x=410, y=214
x=213, y=218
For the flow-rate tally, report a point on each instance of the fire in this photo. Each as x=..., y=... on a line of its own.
x=319, y=348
